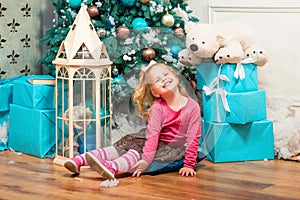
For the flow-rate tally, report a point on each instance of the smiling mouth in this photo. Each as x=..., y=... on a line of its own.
x=167, y=83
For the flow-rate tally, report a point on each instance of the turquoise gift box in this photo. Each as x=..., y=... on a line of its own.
x=5, y=96
x=244, y=107
x=4, y=116
x=38, y=96
x=32, y=131
x=208, y=71
x=6, y=92
x=224, y=142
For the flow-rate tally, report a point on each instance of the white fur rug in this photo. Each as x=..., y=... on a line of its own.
x=286, y=128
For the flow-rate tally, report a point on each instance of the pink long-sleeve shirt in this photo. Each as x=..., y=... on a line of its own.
x=174, y=128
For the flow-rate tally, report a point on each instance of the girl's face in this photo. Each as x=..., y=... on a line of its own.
x=161, y=80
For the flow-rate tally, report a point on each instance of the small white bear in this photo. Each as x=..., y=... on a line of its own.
x=231, y=53
x=187, y=58
x=258, y=54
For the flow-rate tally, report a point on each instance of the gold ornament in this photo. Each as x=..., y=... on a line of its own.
x=93, y=11
x=178, y=32
x=148, y=54
x=144, y=1
x=101, y=32
x=123, y=32
x=167, y=20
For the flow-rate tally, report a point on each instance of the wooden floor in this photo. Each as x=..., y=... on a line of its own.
x=27, y=177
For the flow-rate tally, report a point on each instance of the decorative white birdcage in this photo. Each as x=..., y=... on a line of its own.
x=83, y=91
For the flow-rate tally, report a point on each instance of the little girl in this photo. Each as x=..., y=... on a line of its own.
x=172, y=133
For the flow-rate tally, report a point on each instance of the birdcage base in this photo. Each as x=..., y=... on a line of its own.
x=59, y=160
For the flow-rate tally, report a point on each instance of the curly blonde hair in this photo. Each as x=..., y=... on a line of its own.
x=142, y=94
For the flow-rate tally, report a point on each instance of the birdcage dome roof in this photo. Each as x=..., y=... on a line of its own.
x=82, y=46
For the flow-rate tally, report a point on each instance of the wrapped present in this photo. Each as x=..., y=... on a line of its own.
x=241, y=77
x=202, y=131
x=224, y=142
x=4, y=116
x=5, y=96
x=38, y=96
x=236, y=108
x=32, y=131
x=6, y=92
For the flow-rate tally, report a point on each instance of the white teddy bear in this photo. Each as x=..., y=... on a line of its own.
x=227, y=42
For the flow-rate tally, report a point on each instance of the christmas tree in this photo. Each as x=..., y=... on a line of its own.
x=133, y=31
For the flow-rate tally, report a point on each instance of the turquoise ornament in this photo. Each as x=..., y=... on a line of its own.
x=139, y=23
x=118, y=80
x=75, y=3
x=174, y=49
x=128, y=3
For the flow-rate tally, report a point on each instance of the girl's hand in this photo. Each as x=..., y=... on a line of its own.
x=139, y=167
x=185, y=171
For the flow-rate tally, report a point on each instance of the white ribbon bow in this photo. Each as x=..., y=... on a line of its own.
x=145, y=68
x=218, y=91
x=214, y=87
x=239, y=70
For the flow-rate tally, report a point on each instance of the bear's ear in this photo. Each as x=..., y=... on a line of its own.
x=188, y=26
x=221, y=39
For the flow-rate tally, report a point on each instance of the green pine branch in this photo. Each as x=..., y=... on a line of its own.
x=121, y=15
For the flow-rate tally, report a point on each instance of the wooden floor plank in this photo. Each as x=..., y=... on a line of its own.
x=28, y=177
